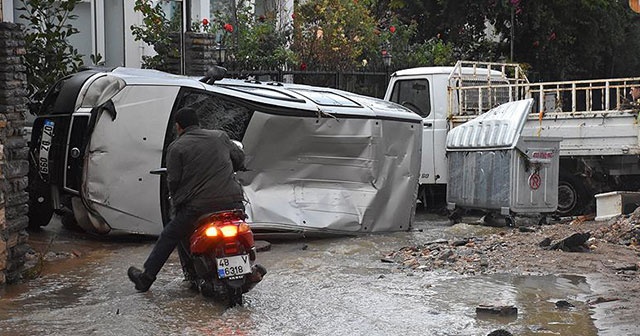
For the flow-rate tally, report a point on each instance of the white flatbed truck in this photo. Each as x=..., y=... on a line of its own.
x=600, y=147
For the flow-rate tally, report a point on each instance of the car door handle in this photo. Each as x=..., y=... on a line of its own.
x=428, y=124
x=158, y=171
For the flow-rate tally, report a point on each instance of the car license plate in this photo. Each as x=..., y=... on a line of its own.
x=45, y=146
x=233, y=266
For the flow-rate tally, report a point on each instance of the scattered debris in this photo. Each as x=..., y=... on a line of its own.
x=518, y=251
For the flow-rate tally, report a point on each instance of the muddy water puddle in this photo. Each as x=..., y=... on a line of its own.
x=314, y=287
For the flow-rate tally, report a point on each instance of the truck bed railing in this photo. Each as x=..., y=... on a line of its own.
x=476, y=87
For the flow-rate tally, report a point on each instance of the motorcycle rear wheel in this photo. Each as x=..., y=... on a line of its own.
x=235, y=298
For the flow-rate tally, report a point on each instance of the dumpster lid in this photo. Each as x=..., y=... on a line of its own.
x=498, y=128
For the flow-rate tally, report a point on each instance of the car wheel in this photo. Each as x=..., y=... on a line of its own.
x=69, y=222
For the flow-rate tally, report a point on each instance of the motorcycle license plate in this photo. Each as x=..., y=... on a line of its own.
x=233, y=266
x=45, y=146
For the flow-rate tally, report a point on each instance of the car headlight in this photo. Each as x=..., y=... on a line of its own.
x=101, y=90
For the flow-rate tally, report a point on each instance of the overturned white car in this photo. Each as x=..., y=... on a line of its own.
x=320, y=161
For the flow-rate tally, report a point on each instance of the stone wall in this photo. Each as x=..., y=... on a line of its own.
x=14, y=166
x=200, y=54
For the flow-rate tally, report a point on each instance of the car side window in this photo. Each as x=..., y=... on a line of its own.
x=413, y=94
x=217, y=112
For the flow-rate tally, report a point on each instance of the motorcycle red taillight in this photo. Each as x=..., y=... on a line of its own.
x=224, y=229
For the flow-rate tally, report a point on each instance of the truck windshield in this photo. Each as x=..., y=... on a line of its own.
x=413, y=94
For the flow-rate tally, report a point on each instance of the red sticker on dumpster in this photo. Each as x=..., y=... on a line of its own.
x=534, y=181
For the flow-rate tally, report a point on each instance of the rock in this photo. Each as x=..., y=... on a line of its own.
x=497, y=310
x=386, y=260
x=462, y=242
x=629, y=267
x=437, y=241
x=562, y=304
x=601, y=299
x=526, y=229
x=500, y=332
x=262, y=245
x=545, y=242
x=573, y=243
x=446, y=255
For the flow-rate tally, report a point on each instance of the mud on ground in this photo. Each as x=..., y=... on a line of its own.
x=609, y=259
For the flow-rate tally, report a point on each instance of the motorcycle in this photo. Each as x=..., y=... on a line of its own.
x=223, y=253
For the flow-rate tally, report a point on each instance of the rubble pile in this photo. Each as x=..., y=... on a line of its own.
x=517, y=250
x=466, y=256
x=623, y=230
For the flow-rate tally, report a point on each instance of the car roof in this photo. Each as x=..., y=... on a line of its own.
x=302, y=97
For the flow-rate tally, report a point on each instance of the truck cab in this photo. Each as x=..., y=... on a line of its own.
x=424, y=90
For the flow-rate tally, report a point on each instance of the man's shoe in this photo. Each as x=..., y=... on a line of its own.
x=142, y=280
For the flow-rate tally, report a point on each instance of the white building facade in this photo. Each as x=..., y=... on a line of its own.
x=105, y=25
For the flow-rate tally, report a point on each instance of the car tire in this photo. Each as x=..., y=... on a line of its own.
x=69, y=222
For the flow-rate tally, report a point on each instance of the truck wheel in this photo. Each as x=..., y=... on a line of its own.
x=572, y=195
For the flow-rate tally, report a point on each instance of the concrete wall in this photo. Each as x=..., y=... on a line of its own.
x=14, y=166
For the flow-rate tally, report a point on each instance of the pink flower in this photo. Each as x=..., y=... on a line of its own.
x=552, y=36
x=536, y=44
x=293, y=16
x=205, y=22
x=514, y=2
x=228, y=27
x=392, y=29
x=303, y=66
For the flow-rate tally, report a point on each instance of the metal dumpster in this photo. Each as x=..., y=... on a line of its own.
x=495, y=169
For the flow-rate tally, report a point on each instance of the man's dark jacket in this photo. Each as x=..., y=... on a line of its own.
x=200, y=166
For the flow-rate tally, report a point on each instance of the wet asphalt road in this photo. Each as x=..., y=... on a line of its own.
x=335, y=286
